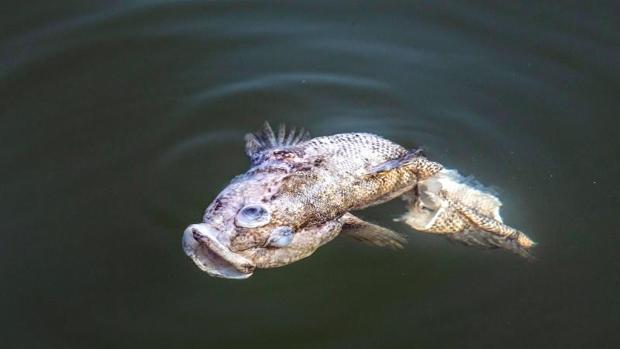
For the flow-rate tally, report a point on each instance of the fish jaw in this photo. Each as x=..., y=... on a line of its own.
x=200, y=243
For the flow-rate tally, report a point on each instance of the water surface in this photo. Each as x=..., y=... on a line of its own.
x=120, y=123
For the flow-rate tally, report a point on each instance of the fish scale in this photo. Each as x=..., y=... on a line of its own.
x=300, y=193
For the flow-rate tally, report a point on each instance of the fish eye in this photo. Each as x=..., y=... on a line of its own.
x=253, y=216
x=280, y=237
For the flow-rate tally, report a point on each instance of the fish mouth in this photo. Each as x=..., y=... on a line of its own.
x=200, y=243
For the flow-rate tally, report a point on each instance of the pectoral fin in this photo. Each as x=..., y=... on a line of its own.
x=413, y=159
x=369, y=233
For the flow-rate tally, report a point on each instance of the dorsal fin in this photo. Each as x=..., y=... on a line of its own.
x=414, y=159
x=266, y=138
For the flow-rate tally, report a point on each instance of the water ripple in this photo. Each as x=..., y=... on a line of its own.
x=283, y=80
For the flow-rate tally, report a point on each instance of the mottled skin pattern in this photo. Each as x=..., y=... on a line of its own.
x=341, y=177
x=472, y=227
x=300, y=192
x=444, y=205
x=308, y=187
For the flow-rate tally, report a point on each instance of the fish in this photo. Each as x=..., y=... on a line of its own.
x=463, y=210
x=300, y=193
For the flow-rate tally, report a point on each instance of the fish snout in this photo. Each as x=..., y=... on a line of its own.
x=201, y=244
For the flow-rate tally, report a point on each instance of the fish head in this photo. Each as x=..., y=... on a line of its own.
x=252, y=223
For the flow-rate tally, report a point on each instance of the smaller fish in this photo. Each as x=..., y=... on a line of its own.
x=464, y=211
x=300, y=193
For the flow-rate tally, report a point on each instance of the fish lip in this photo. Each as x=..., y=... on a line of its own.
x=200, y=243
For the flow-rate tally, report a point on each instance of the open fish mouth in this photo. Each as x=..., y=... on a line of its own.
x=200, y=243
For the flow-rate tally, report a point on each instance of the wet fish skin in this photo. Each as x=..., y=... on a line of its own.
x=299, y=194
x=317, y=181
x=464, y=211
x=309, y=186
x=331, y=175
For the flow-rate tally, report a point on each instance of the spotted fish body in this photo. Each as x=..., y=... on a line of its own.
x=328, y=176
x=299, y=195
x=447, y=204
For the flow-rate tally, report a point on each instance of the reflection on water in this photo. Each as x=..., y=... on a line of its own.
x=121, y=123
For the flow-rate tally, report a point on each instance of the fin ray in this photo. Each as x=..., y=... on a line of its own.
x=266, y=138
x=413, y=158
x=371, y=234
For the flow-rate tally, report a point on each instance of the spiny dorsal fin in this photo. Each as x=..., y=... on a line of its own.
x=266, y=138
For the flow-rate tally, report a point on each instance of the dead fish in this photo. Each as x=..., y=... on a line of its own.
x=299, y=194
x=464, y=211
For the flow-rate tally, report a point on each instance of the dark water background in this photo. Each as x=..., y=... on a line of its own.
x=120, y=123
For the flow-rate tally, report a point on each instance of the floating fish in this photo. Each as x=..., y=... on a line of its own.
x=462, y=210
x=299, y=194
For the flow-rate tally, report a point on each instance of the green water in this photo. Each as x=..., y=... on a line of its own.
x=120, y=122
